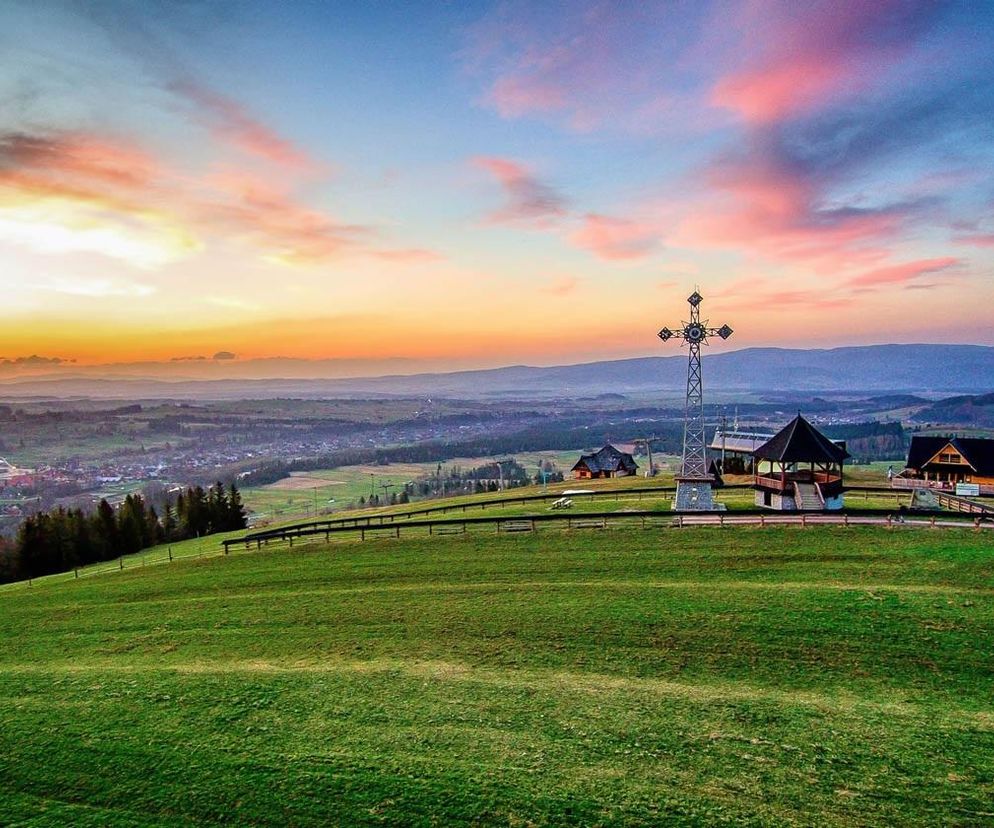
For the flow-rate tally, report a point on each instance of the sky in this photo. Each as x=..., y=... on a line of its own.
x=462, y=184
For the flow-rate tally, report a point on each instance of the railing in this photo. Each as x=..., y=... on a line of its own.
x=774, y=483
x=388, y=518
x=602, y=520
x=961, y=504
x=937, y=485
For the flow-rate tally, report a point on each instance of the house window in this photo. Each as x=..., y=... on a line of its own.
x=949, y=458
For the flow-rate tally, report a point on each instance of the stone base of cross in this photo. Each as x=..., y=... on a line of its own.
x=695, y=495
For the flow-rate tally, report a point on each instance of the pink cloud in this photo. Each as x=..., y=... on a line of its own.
x=976, y=239
x=602, y=65
x=800, y=58
x=409, y=255
x=903, y=274
x=76, y=156
x=232, y=124
x=767, y=94
x=101, y=182
x=615, y=239
x=561, y=286
x=527, y=199
x=513, y=97
x=762, y=205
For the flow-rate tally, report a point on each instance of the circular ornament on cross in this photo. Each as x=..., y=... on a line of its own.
x=694, y=333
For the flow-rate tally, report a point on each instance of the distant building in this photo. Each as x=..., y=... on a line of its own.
x=950, y=460
x=737, y=449
x=608, y=462
x=803, y=469
x=11, y=475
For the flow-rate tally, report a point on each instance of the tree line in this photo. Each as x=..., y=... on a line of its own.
x=63, y=539
x=561, y=435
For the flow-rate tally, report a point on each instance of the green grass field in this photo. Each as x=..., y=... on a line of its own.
x=325, y=491
x=744, y=677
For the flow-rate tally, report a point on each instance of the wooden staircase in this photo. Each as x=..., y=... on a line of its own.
x=807, y=497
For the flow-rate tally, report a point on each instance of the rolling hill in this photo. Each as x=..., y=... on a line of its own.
x=870, y=369
x=756, y=677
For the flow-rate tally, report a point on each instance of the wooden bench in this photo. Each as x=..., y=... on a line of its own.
x=515, y=526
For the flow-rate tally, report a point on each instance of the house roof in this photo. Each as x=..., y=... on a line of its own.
x=738, y=442
x=607, y=459
x=801, y=442
x=977, y=451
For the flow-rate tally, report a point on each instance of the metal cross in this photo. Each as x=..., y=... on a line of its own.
x=695, y=333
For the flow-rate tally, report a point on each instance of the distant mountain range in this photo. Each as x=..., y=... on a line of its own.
x=926, y=369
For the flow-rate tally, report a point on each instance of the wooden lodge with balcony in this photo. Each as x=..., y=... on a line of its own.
x=799, y=468
x=942, y=462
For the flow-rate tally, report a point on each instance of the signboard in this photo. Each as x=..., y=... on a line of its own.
x=968, y=489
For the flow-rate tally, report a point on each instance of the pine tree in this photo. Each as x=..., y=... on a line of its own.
x=236, y=509
x=105, y=526
x=169, y=523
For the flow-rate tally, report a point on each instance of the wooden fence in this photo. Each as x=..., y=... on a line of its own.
x=604, y=520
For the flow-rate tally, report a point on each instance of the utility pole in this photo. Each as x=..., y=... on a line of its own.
x=724, y=428
x=647, y=442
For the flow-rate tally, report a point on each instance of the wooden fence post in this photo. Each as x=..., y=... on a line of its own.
x=76, y=569
x=121, y=561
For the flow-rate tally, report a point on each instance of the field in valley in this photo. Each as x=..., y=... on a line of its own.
x=824, y=676
x=304, y=494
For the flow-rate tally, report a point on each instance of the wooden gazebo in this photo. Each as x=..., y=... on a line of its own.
x=799, y=468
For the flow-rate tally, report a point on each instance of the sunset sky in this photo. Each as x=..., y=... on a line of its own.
x=472, y=184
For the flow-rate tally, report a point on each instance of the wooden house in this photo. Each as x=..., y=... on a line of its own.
x=799, y=468
x=946, y=461
x=608, y=462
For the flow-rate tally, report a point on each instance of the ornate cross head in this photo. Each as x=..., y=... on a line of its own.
x=695, y=331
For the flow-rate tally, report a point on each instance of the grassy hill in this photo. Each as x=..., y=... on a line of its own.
x=744, y=677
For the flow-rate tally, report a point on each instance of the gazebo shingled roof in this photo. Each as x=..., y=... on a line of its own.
x=801, y=442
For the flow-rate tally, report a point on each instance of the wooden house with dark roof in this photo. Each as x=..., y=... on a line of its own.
x=799, y=468
x=946, y=461
x=608, y=462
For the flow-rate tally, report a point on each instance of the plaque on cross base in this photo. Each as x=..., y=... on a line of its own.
x=695, y=495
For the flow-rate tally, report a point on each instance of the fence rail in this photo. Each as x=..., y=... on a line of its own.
x=500, y=502
x=603, y=520
x=390, y=518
